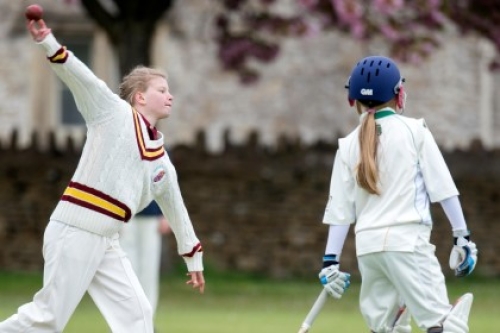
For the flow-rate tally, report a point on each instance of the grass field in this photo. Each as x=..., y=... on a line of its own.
x=244, y=304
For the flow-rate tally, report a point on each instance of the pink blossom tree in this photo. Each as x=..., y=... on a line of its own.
x=253, y=29
x=410, y=27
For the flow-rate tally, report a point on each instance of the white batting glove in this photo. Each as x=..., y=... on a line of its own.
x=333, y=280
x=463, y=256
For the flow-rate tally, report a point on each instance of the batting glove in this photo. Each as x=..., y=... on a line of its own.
x=463, y=256
x=333, y=280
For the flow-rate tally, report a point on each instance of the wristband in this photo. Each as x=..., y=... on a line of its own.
x=461, y=233
x=330, y=259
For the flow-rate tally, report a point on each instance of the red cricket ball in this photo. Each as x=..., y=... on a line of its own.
x=33, y=12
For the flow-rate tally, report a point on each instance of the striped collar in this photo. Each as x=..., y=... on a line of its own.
x=385, y=112
x=152, y=131
x=149, y=149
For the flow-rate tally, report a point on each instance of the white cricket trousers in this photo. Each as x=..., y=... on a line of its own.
x=141, y=240
x=77, y=261
x=415, y=278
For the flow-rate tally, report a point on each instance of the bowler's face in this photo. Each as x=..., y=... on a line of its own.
x=158, y=98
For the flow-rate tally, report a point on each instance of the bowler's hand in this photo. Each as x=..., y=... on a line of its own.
x=38, y=30
x=197, y=280
x=163, y=226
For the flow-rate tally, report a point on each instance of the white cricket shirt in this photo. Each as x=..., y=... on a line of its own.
x=412, y=173
x=121, y=169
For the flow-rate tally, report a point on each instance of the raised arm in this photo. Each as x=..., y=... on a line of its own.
x=93, y=97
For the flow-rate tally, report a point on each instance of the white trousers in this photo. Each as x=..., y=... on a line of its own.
x=141, y=240
x=414, y=277
x=77, y=261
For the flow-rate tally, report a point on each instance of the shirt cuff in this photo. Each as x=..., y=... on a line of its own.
x=194, y=263
x=50, y=45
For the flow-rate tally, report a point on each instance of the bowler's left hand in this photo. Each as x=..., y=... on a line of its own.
x=197, y=280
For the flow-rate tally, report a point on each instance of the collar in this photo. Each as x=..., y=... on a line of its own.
x=149, y=149
x=152, y=131
x=385, y=112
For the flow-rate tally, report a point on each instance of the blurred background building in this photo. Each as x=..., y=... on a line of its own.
x=254, y=159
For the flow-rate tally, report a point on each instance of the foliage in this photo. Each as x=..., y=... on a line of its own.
x=479, y=16
x=254, y=28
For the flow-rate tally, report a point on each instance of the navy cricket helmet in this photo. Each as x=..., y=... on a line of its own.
x=374, y=80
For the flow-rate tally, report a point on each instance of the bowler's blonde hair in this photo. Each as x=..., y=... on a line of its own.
x=137, y=81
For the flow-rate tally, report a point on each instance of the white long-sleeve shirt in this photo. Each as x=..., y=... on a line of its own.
x=121, y=169
x=412, y=173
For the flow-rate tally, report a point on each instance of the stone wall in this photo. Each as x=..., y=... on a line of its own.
x=256, y=210
x=300, y=95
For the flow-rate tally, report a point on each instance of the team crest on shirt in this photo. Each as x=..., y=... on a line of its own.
x=159, y=175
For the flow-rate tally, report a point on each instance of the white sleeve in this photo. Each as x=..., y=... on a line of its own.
x=340, y=209
x=454, y=212
x=92, y=96
x=173, y=208
x=438, y=181
x=337, y=235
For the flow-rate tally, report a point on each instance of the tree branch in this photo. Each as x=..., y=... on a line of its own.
x=102, y=17
x=98, y=12
x=157, y=8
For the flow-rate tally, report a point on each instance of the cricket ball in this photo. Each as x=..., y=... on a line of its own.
x=33, y=12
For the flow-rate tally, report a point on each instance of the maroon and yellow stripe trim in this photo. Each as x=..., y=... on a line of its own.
x=196, y=248
x=146, y=153
x=60, y=56
x=95, y=200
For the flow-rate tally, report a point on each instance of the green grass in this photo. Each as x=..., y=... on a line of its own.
x=244, y=304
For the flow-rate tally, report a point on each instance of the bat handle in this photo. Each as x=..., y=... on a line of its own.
x=304, y=328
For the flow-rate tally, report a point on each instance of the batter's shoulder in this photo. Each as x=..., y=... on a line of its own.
x=414, y=123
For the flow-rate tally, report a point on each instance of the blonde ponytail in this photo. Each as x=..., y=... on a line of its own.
x=367, y=169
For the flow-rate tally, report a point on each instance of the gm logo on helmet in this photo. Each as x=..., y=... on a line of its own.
x=366, y=92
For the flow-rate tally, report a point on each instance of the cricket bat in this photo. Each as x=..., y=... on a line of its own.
x=313, y=313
